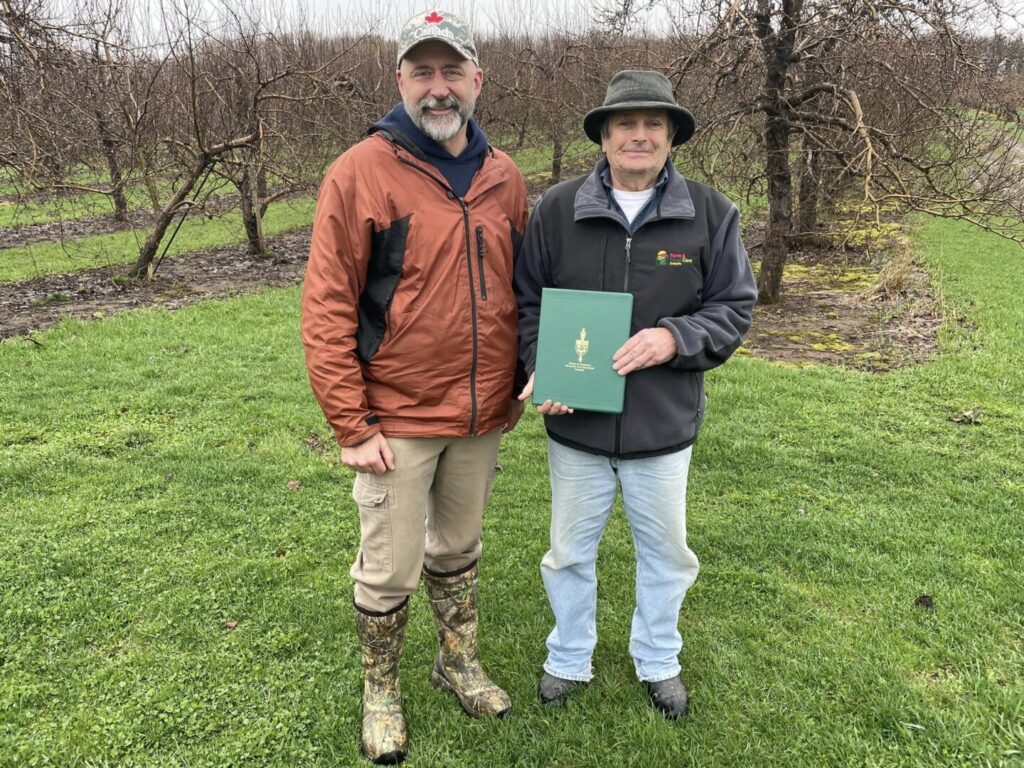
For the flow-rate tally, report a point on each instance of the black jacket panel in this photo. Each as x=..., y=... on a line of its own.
x=688, y=272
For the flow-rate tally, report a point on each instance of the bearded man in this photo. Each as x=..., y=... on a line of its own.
x=409, y=328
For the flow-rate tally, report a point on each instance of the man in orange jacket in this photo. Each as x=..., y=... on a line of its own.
x=409, y=326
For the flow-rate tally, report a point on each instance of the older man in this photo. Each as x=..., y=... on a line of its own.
x=633, y=225
x=409, y=326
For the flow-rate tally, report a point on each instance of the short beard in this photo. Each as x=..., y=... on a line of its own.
x=437, y=127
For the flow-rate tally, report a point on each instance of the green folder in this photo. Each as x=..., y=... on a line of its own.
x=579, y=332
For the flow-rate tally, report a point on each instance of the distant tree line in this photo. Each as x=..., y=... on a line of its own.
x=893, y=104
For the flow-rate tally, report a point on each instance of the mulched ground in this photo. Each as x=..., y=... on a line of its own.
x=829, y=314
x=14, y=237
x=32, y=305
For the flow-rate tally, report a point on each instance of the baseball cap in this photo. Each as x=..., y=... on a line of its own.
x=437, y=25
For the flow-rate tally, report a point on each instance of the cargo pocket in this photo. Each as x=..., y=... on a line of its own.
x=495, y=471
x=374, y=523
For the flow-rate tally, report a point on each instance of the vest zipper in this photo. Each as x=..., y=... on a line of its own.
x=480, y=261
x=625, y=282
x=625, y=289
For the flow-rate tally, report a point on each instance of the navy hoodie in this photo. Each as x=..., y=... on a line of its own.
x=459, y=171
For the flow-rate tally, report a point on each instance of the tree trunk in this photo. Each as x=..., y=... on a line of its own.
x=144, y=264
x=252, y=212
x=143, y=161
x=152, y=192
x=253, y=195
x=521, y=137
x=778, y=54
x=556, y=157
x=810, y=186
x=108, y=141
x=780, y=210
x=109, y=144
x=261, y=189
x=204, y=159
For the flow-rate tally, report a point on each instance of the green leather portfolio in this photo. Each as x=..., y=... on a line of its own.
x=579, y=332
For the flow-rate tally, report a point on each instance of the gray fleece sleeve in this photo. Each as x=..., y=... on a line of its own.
x=706, y=338
x=531, y=275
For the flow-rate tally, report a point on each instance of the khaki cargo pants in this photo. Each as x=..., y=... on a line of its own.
x=427, y=511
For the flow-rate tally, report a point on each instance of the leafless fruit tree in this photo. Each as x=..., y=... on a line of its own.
x=865, y=93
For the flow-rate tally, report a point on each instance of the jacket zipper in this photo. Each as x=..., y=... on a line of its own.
x=472, y=294
x=625, y=282
x=472, y=306
x=625, y=289
x=480, y=261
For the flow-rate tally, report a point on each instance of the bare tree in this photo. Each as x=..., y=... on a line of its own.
x=281, y=89
x=537, y=87
x=874, y=89
x=58, y=130
x=896, y=102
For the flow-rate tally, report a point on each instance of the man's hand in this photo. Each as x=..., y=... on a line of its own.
x=373, y=456
x=515, y=413
x=649, y=347
x=547, y=407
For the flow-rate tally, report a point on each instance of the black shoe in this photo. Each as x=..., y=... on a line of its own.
x=669, y=697
x=390, y=758
x=555, y=690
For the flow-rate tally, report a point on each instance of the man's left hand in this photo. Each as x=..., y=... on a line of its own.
x=515, y=413
x=649, y=347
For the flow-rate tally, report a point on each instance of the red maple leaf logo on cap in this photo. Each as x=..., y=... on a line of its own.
x=434, y=18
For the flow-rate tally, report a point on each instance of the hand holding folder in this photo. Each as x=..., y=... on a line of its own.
x=578, y=336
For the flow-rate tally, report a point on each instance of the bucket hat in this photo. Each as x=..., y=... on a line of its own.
x=639, y=89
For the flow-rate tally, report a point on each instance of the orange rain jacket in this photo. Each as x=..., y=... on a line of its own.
x=408, y=316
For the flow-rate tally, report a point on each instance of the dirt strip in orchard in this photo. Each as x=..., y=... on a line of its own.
x=33, y=305
x=832, y=311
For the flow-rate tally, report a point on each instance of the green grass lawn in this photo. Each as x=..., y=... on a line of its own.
x=144, y=463
x=123, y=247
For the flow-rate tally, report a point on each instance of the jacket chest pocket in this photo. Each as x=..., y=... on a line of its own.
x=670, y=278
x=492, y=268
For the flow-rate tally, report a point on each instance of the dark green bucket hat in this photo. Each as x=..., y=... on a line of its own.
x=639, y=89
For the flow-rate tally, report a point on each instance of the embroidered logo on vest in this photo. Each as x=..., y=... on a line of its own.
x=666, y=259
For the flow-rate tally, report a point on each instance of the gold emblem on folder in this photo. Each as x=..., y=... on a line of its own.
x=582, y=346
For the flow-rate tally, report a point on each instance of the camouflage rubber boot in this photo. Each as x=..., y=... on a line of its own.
x=457, y=667
x=384, y=738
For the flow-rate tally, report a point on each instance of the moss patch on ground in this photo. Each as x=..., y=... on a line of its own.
x=872, y=309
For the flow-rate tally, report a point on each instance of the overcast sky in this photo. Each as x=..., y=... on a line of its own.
x=533, y=15
x=384, y=18
x=483, y=15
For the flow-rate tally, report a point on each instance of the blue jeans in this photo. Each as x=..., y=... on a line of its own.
x=583, y=488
